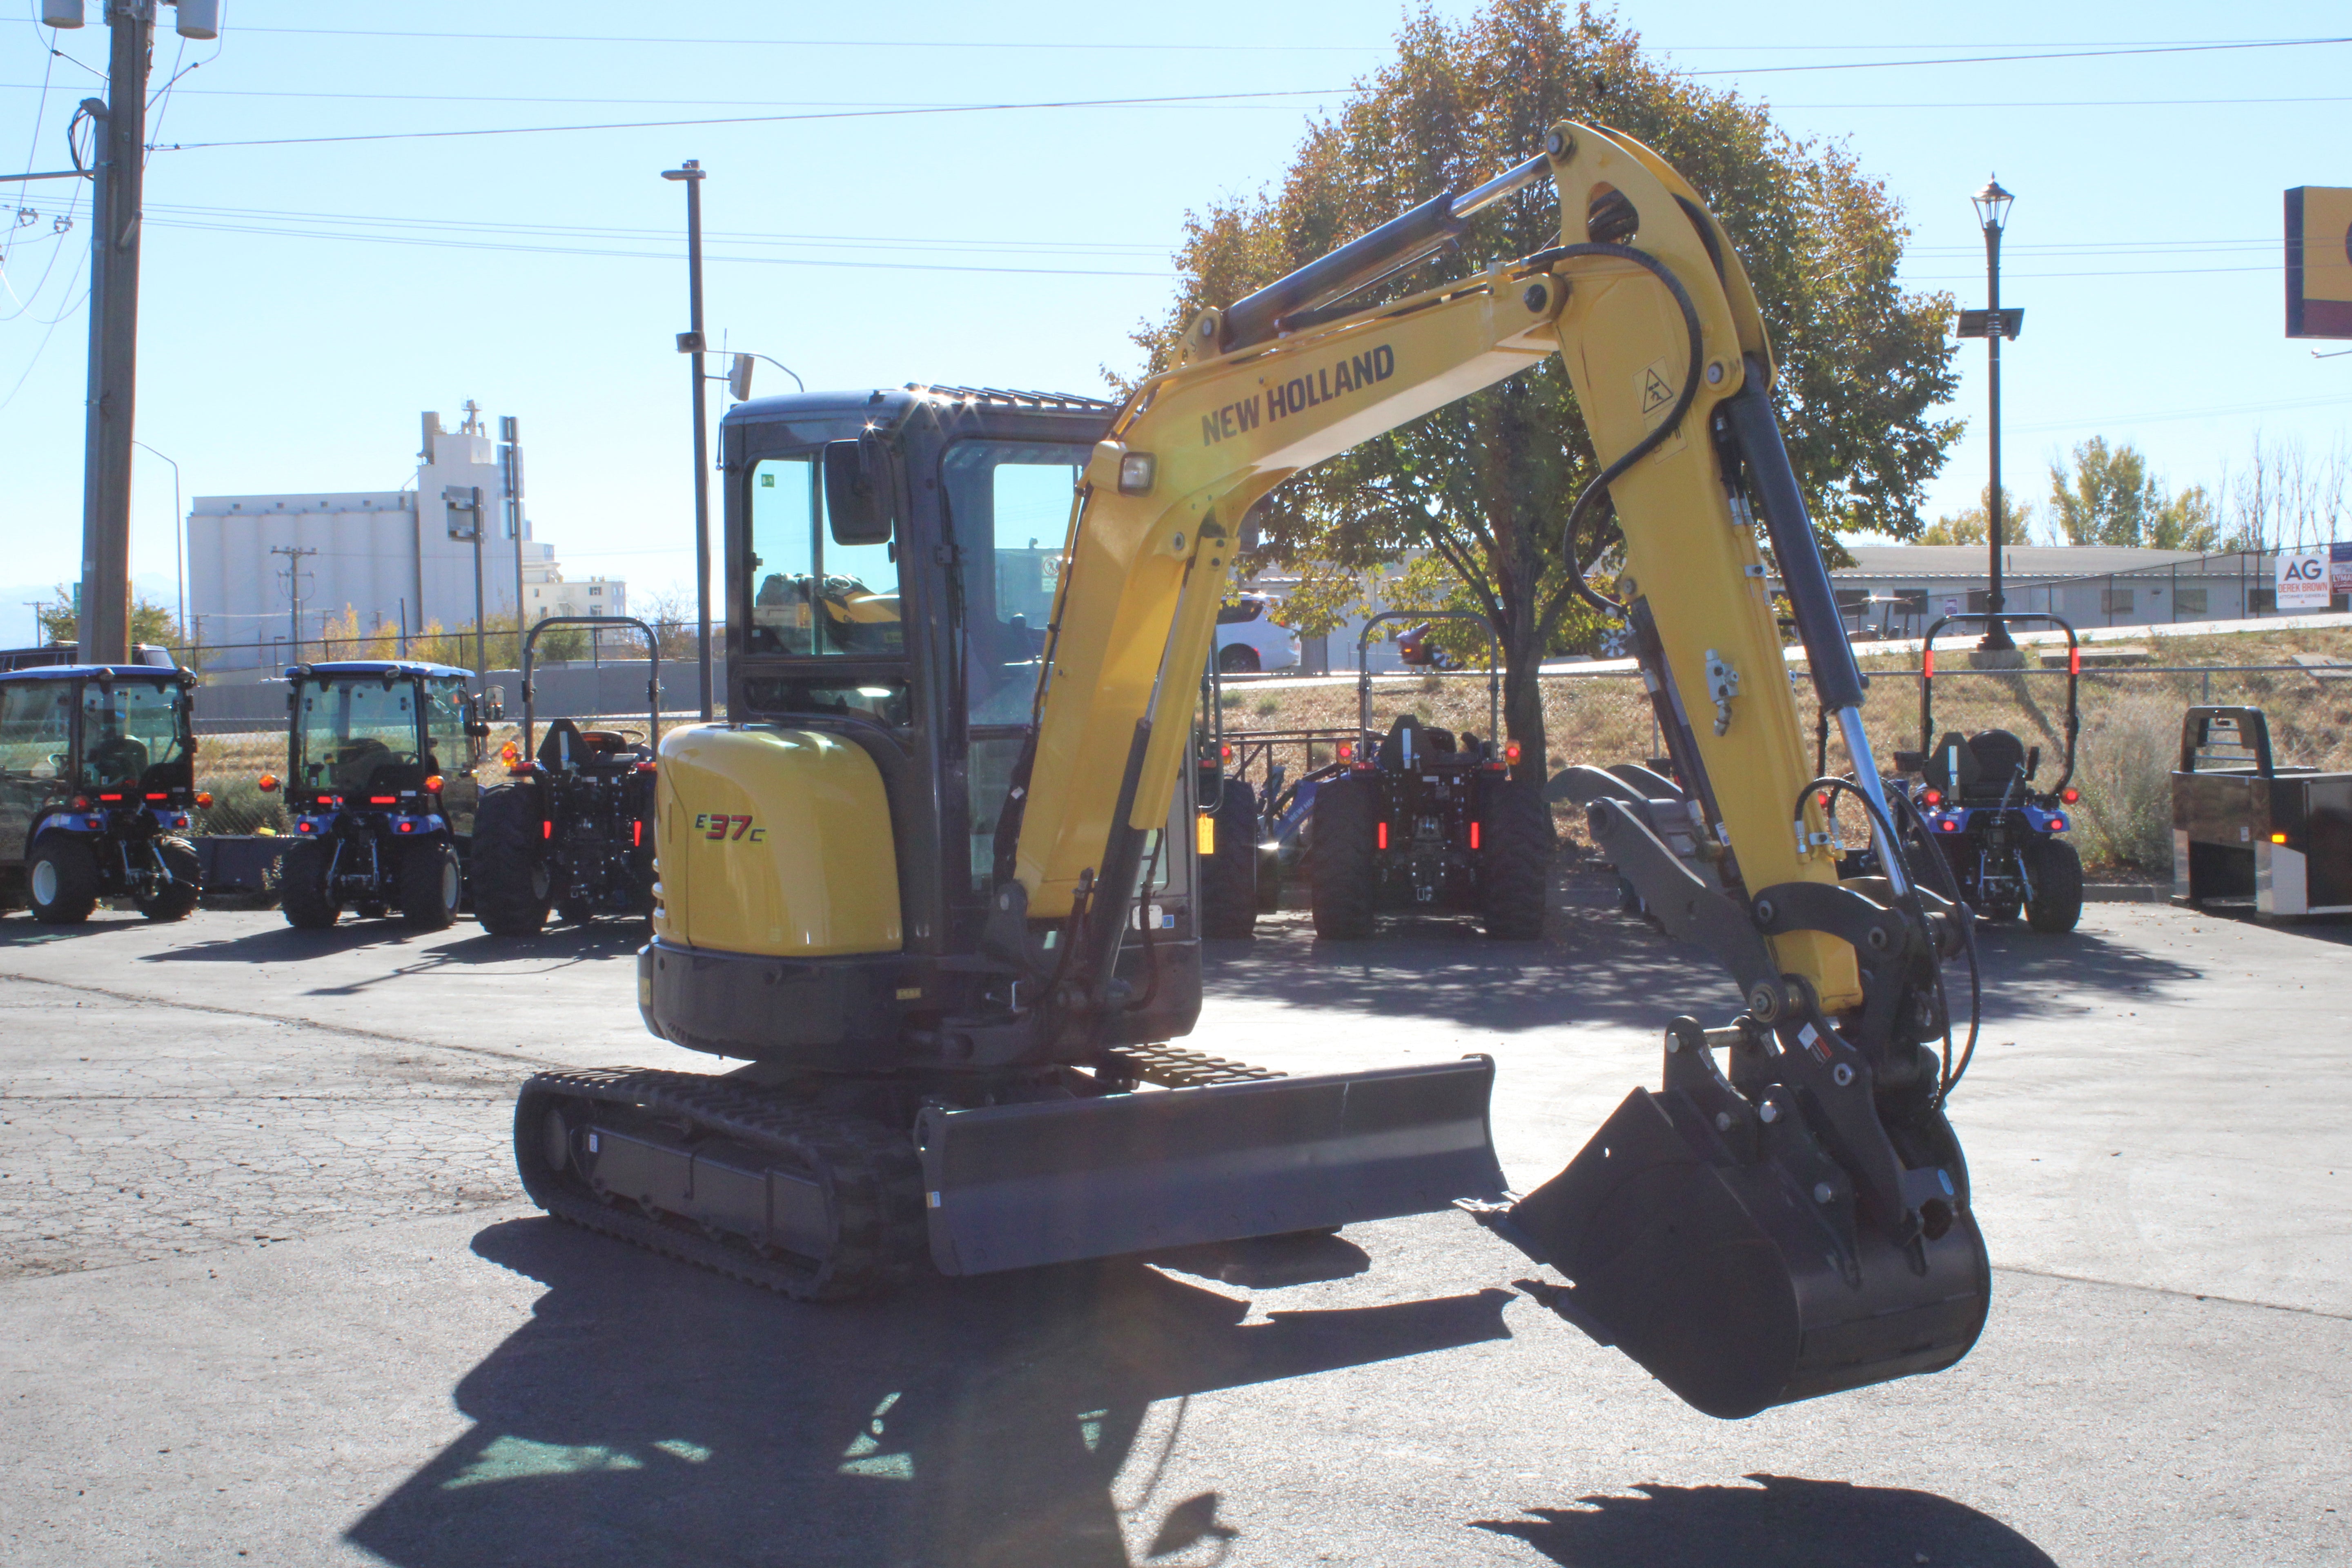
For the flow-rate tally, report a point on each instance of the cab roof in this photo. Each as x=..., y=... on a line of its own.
x=890, y=403
x=154, y=673
x=376, y=667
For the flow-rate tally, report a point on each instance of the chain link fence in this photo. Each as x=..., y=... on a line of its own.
x=2128, y=743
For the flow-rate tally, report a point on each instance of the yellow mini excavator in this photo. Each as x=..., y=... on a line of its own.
x=935, y=880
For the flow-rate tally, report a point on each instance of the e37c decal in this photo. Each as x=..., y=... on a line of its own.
x=722, y=827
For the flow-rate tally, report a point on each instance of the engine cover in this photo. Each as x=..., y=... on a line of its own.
x=773, y=842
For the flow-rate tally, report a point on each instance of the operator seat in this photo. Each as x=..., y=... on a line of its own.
x=2001, y=758
x=1952, y=767
x=1391, y=758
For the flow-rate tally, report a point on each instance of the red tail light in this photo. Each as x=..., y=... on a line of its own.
x=1951, y=825
x=1932, y=796
x=637, y=835
x=82, y=802
x=1384, y=835
x=1347, y=751
x=159, y=795
x=1473, y=836
x=383, y=800
x=2069, y=795
x=1224, y=754
x=2058, y=824
x=1823, y=798
x=645, y=767
x=111, y=799
x=547, y=830
x=2073, y=661
x=1511, y=752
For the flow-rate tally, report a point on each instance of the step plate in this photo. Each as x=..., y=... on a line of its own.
x=1014, y=1187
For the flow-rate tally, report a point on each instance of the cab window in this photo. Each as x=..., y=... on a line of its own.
x=811, y=596
x=126, y=730
x=36, y=728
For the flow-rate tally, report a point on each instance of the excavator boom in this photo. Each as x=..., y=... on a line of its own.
x=1800, y=1223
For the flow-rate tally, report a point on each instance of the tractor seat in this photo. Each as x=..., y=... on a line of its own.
x=1988, y=763
x=570, y=748
x=1391, y=758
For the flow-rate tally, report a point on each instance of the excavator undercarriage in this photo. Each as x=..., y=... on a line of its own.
x=936, y=881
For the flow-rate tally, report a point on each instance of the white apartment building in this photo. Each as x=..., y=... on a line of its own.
x=267, y=572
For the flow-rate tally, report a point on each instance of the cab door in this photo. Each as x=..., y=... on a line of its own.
x=449, y=751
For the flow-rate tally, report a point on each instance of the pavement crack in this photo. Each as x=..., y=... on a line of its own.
x=2170, y=1290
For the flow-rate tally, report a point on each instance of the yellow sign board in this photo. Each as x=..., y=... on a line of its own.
x=2318, y=262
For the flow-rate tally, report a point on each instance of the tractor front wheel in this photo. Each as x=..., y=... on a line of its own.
x=2057, y=903
x=1343, y=854
x=174, y=898
x=1229, y=873
x=64, y=877
x=431, y=885
x=303, y=886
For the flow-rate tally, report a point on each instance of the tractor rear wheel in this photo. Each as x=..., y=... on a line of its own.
x=1344, y=857
x=302, y=887
x=431, y=885
x=174, y=898
x=510, y=875
x=2057, y=903
x=1229, y=875
x=1514, y=859
x=64, y=881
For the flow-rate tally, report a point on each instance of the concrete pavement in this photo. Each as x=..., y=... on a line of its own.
x=272, y=1294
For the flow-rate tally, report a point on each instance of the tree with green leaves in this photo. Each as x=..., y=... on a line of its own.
x=2110, y=497
x=150, y=622
x=1974, y=526
x=1473, y=499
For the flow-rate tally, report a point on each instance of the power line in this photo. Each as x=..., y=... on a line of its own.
x=755, y=119
x=2005, y=60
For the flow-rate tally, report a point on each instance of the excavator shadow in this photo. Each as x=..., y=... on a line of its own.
x=649, y=1414
x=1782, y=1521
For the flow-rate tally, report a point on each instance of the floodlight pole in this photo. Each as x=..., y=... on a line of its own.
x=690, y=342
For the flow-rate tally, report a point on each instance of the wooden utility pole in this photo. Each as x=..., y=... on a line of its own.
x=104, y=631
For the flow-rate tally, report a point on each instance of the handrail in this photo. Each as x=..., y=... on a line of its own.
x=652, y=672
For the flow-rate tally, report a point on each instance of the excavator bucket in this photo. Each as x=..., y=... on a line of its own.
x=1011, y=1186
x=1731, y=1280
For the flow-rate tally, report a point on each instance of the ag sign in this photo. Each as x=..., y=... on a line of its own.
x=2318, y=263
x=2303, y=580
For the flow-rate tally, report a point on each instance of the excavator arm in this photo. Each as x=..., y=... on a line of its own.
x=1795, y=1220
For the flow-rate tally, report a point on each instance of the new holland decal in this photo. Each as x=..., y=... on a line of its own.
x=1300, y=393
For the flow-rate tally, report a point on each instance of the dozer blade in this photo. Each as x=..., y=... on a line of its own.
x=1728, y=1279
x=1013, y=1186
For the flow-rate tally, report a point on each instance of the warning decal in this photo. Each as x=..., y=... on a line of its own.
x=1655, y=392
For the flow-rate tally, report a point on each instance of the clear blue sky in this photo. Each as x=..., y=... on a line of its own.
x=302, y=302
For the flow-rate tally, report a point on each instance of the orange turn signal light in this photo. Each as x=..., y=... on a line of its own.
x=2278, y=837
x=203, y=798
x=508, y=753
x=1511, y=752
x=432, y=785
x=1347, y=751
x=266, y=782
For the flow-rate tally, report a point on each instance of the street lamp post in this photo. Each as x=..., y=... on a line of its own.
x=690, y=342
x=179, y=526
x=1993, y=205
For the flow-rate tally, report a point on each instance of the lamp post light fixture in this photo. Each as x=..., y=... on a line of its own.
x=1992, y=324
x=691, y=342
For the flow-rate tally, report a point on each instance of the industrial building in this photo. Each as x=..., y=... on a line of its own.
x=267, y=572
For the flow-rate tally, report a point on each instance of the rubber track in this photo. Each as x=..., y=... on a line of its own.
x=872, y=1175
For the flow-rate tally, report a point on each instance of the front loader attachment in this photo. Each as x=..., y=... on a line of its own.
x=1731, y=1257
x=1011, y=1186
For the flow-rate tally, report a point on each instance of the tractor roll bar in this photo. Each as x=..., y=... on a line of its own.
x=2074, y=678
x=653, y=671
x=1494, y=669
